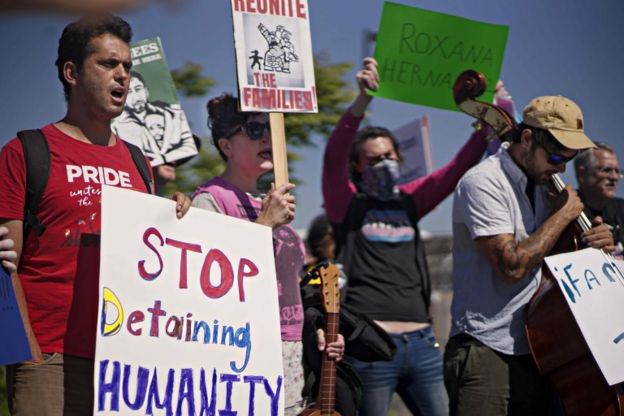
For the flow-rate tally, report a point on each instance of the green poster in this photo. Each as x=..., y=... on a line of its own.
x=420, y=53
x=152, y=117
x=148, y=59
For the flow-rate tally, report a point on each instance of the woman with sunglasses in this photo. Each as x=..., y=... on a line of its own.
x=244, y=142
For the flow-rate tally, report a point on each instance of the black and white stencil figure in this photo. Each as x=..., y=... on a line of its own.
x=281, y=50
x=255, y=59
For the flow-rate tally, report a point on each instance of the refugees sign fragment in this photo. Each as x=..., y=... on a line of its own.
x=15, y=346
x=188, y=314
x=274, y=56
x=420, y=53
x=153, y=118
x=593, y=286
x=415, y=146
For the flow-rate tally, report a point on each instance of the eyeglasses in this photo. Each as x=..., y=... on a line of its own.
x=607, y=171
x=253, y=129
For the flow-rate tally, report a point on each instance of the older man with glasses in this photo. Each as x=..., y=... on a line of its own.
x=597, y=174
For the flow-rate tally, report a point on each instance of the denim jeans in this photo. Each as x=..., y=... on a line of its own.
x=415, y=374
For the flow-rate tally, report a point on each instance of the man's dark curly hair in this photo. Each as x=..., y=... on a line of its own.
x=75, y=42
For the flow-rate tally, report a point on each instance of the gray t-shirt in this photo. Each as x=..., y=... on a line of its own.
x=205, y=200
x=490, y=200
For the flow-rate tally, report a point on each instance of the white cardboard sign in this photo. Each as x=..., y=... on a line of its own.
x=415, y=145
x=274, y=59
x=593, y=286
x=188, y=314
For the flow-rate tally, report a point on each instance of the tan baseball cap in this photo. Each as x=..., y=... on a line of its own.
x=561, y=117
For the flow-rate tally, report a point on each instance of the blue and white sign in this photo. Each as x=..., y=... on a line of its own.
x=593, y=286
x=14, y=342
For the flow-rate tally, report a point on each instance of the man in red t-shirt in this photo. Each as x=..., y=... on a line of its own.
x=57, y=278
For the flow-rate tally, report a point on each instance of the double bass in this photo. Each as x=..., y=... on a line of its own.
x=555, y=340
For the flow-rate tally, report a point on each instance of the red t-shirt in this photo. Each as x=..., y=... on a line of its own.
x=59, y=270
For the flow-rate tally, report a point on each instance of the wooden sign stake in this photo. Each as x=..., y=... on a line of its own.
x=278, y=142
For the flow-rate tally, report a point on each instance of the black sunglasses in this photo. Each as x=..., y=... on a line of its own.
x=555, y=159
x=253, y=129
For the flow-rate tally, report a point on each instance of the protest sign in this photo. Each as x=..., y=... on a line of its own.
x=274, y=56
x=420, y=53
x=593, y=286
x=188, y=314
x=415, y=146
x=153, y=118
x=15, y=346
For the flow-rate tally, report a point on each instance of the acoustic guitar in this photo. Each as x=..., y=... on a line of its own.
x=330, y=294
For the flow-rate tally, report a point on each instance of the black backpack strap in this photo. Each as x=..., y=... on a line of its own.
x=139, y=160
x=37, y=161
x=344, y=233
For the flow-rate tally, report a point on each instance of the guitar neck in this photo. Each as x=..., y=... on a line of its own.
x=327, y=389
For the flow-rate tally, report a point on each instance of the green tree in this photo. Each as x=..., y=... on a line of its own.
x=190, y=82
x=333, y=94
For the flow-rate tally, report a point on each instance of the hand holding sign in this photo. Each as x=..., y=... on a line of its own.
x=278, y=207
x=7, y=255
x=367, y=79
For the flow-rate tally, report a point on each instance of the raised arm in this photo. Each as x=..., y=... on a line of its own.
x=428, y=191
x=338, y=190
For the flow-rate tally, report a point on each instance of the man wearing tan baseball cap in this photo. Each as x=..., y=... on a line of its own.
x=503, y=227
x=561, y=117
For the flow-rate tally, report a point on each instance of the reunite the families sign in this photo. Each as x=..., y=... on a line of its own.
x=188, y=315
x=274, y=56
x=420, y=53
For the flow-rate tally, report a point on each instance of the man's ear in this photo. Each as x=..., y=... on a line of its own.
x=70, y=73
x=526, y=138
x=225, y=146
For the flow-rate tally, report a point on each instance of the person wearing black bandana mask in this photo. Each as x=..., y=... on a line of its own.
x=375, y=225
x=380, y=180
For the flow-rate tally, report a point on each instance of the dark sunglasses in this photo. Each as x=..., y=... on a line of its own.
x=555, y=159
x=253, y=129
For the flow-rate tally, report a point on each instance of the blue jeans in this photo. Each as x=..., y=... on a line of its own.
x=415, y=374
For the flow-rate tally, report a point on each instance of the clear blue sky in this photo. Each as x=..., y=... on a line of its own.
x=567, y=47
